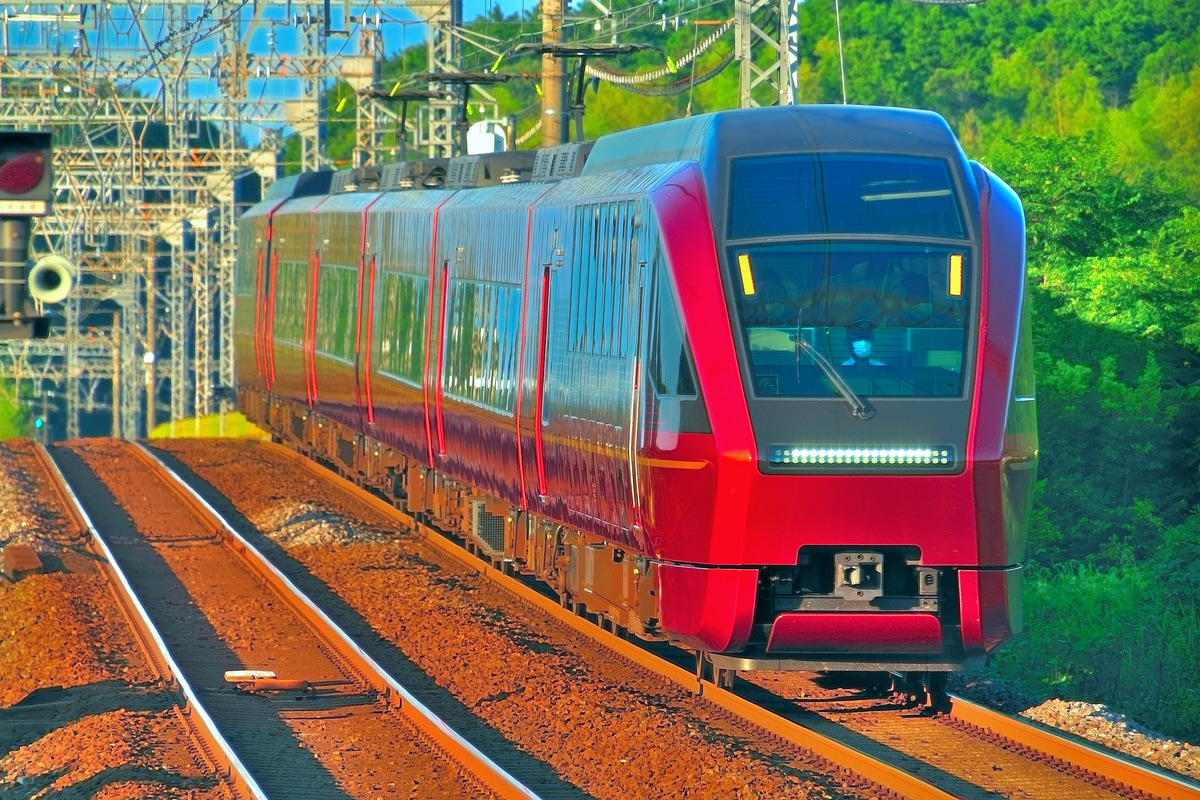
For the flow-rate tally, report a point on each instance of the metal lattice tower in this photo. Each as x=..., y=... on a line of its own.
x=759, y=25
x=437, y=117
x=162, y=112
x=160, y=109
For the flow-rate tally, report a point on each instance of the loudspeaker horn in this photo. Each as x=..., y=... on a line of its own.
x=51, y=279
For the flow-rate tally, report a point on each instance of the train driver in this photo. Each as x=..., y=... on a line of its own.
x=861, y=340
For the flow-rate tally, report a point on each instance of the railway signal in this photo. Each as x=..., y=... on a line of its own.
x=26, y=188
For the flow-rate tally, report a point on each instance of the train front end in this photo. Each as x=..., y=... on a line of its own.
x=874, y=282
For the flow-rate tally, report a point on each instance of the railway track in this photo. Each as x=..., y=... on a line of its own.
x=802, y=725
x=865, y=742
x=288, y=705
x=108, y=691
x=967, y=750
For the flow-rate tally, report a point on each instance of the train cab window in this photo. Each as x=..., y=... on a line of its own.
x=857, y=264
x=890, y=317
x=842, y=193
x=675, y=403
x=669, y=363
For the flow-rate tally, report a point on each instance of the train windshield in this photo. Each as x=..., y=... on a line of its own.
x=801, y=194
x=891, y=317
x=849, y=272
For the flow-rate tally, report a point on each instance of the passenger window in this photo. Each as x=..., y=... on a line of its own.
x=670, y=364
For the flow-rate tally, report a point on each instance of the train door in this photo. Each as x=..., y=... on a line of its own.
x=316, y=247
x=639, y=303
x=364, y=330
x=542, y=283
x=441, y=285
x=264, y=296
x=433, y=331
x=435, y=348
x=586, y=417
x=540, y=418
x=365, y=326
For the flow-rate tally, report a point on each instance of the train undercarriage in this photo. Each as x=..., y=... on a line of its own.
x=594, y=577
x=590, y=575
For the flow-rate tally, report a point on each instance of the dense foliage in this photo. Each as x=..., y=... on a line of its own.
x=14, y=417
x=1117, y=305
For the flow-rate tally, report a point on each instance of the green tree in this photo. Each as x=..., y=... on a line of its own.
x=1075, y=202
x=1114, y=292
x=998, y=70
x=14, y=415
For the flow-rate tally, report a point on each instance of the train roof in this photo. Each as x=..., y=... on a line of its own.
x=710, y=138
x=707, y=139
x=300, y=185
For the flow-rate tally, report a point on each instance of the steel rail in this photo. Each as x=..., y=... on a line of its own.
x=194, y=714
x=898, y=781
x=1075, y=751
x=83, y=530
x=397, y=698
x=66, y=498
x=1086, y=757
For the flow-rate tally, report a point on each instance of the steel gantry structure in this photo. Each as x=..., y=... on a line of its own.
x=166, y=115
x=169, y=115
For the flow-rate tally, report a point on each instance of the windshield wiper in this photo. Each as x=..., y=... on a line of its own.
x=858, y=406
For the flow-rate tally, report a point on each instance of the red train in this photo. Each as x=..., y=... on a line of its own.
x=756, y=382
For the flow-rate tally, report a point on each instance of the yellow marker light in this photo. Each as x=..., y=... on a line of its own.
x=956, y=274
x=747, y=275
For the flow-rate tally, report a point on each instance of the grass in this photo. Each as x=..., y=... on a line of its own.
x=1122, y=636
x=236, y=426
x=14, y=414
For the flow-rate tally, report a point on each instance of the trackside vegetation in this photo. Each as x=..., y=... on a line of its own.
x=15, y=417
x=230, y=426
x=1111, y=604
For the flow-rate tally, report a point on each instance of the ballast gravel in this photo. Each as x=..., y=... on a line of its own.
x=56, y=636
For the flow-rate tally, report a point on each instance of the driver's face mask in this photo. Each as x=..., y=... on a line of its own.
x=861, y=348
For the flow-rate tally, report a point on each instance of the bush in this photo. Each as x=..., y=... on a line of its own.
x=1125, y=635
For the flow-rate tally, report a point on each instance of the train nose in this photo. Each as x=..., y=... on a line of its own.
x=879, y=601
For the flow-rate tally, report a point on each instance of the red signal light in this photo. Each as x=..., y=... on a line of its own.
x=26, y=173
x=23, y=172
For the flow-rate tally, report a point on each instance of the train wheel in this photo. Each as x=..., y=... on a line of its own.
x=725, y=678
x=924, y=690
x=717, y=676
x=937, y=699
x=907, y=689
